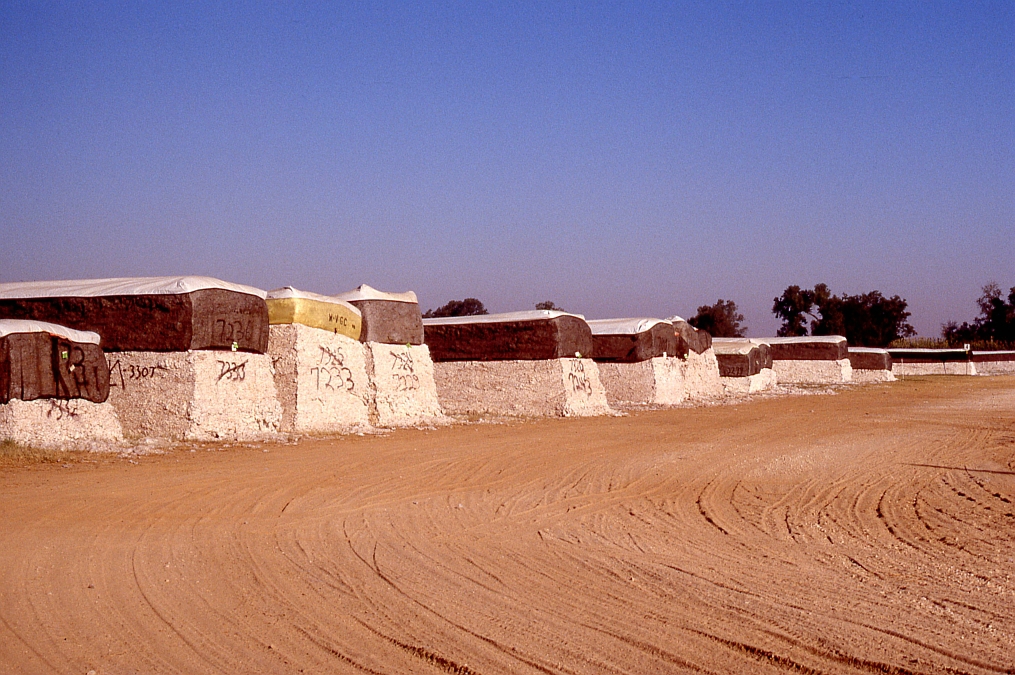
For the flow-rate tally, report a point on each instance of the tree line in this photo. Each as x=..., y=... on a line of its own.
x=474, y=307
x=865, y=320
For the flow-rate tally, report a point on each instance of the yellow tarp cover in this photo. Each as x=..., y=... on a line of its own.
x=339, y=318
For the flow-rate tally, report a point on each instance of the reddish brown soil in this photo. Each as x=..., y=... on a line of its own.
x=871, y=531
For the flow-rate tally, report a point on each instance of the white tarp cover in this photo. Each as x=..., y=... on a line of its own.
x=623, y=326
x=803, y=339
x=675, y=319
x=90, y=288
x=733, y=345
x=287, y=292
x=365, y=292
x=528, y=315
x=867, y=350
x=12, y=326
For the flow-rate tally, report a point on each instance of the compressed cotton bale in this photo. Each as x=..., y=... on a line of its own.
x=872, y=376
x=402, y=379
x=994, y=362
x=870, y=365
x=744, y=366
x=739, y=357
x=529, y=335
x=149, y=313
x=909, y=362
x=321, y=380
x=807, y=348
x=523, y=387
x=389, y=318
x=45, y=360
x=905, y=368
x=656, y=381
x=764, y=380
x=74, y=424
x=195, y=395
x=869, y=358
x=291, y=306
x=813, y=359
x=792, y=371
x=701, y=377
x=633, y=340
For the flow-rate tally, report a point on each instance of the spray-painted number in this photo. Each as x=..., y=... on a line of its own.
x=60, y=409
x=331, y=371
x=118, y=371
x=409, y=382
x=333, y=379
x=579, y=379
x=232, y=371
x=227, y=332
x=403, y=362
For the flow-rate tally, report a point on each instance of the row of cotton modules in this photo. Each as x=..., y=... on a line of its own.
x=199, y=359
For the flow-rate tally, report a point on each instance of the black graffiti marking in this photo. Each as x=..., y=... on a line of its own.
x=60, y=409
x=234, y=331
x=408, y=382
x=331, y=358
x=332, y=366
x=579, y=379
x=232, y=372
x=335, y=375
x=737, y=370
x=70, y=374
x=342, y=321
x=144, y=372
x=118, y=371
x=403, y=361
x=115, y=370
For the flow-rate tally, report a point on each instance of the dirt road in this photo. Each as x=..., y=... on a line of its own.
x=871, y=531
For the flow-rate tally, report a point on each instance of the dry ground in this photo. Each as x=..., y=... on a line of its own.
x=871, y=531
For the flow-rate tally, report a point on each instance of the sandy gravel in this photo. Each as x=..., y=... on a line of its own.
x=871, y=531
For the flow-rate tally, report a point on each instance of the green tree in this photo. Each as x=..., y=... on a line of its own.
x=793, y=307
x=466, y=307
x=548, y=304
x=868, y=319
x=994, y=327
x=719, y=320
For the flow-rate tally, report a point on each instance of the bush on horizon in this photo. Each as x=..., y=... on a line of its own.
x=466, y=307
x=720, y=320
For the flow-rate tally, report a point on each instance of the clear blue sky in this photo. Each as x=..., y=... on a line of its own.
x=619, y=159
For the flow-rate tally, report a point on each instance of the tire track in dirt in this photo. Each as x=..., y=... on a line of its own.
x=820, y=534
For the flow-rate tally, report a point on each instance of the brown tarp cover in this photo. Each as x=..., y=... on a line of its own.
x=206, y=318
x=391, y=318
x=552, y=336
x=986, y=357
x=739, y=365
x=740, y=359
x=818, y=348
x=878, y=359
x=40, y=365
x=658, y=340
x=698, y=341
x=393, y=323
